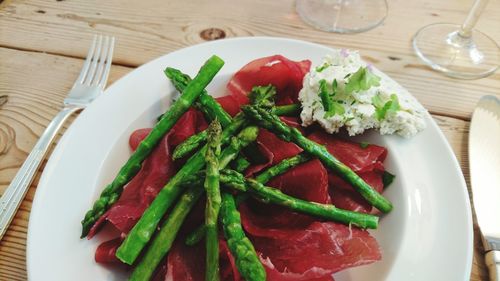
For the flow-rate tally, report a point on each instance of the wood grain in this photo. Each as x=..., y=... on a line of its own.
x=147, y=29
x=35, y=85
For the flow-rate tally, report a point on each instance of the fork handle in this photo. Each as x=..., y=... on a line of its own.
x=14, y=194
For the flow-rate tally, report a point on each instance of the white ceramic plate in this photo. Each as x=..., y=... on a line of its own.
x=428, y=235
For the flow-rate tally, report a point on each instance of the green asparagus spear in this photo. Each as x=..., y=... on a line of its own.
x=206, y=113
x=237, y=181
x=282, y=167
x=112, y=192
x=140, y=234
x=163, y=241
x=272, y=122
x=240, y=164
x=189, y=145
x=287, y=110
x=276, y=170
x=194, y=141
x=212, y=207
x=262, y=95
x=166, y=236
x=207, y=102
x=262, y=178
x=244, y=138
x=241, y=248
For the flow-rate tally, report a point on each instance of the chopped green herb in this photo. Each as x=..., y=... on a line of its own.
x=364, y=144
x=377, y=101
x=361, y=80
x=330, y=105
x=337, y=109
x=322, y=67
x=387, y=178
x=383, y=107
x=324, y=93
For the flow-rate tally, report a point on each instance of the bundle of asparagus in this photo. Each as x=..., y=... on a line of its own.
x=222, y=143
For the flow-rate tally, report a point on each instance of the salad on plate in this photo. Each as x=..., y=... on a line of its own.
x=253, y=185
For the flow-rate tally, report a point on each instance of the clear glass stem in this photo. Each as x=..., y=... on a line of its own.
x=472, y=17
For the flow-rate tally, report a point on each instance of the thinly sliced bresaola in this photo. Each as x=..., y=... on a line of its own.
x=154, y=174
x=106, y=252
x=142, y=189
x=352, y=154
x=187, y=263
x=308, y=181
x=284, y=74
x=275, y=275
x=274, y=149
x=345, y=197
x=316, y=252
x=230, y=104
x=366, y=161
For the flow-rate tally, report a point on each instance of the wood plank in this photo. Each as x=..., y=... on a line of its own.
x=65, y=27
x=36, y=84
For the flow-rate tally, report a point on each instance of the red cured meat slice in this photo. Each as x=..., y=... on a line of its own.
x=279, y=149
x=230, y=104
x=284, y=74
x=187, y=263
x=273, y=148
x=137, y=136
x=345, y=197
x=155, y=172
x=190, y=123
x=317, y=251
x=105, y=253
x=366, y=162
x=140, y=191
x=228, y=269
x=308, y=181
x=359, y=159
x=275, y=275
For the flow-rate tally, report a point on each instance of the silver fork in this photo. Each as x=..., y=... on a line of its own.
x=89, y=84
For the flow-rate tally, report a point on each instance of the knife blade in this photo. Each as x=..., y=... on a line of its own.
x=484, y=161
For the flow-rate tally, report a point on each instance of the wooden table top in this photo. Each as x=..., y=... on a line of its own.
x=42, y=43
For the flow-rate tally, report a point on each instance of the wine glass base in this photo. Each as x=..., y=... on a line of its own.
x=342, y=16
x=443, y=48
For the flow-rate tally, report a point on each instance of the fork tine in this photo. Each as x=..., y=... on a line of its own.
x=86, y=64
x=93, y=65
x=109, y=62
x=101, y=64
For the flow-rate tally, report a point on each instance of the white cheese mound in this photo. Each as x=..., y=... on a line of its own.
x=359, y=110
